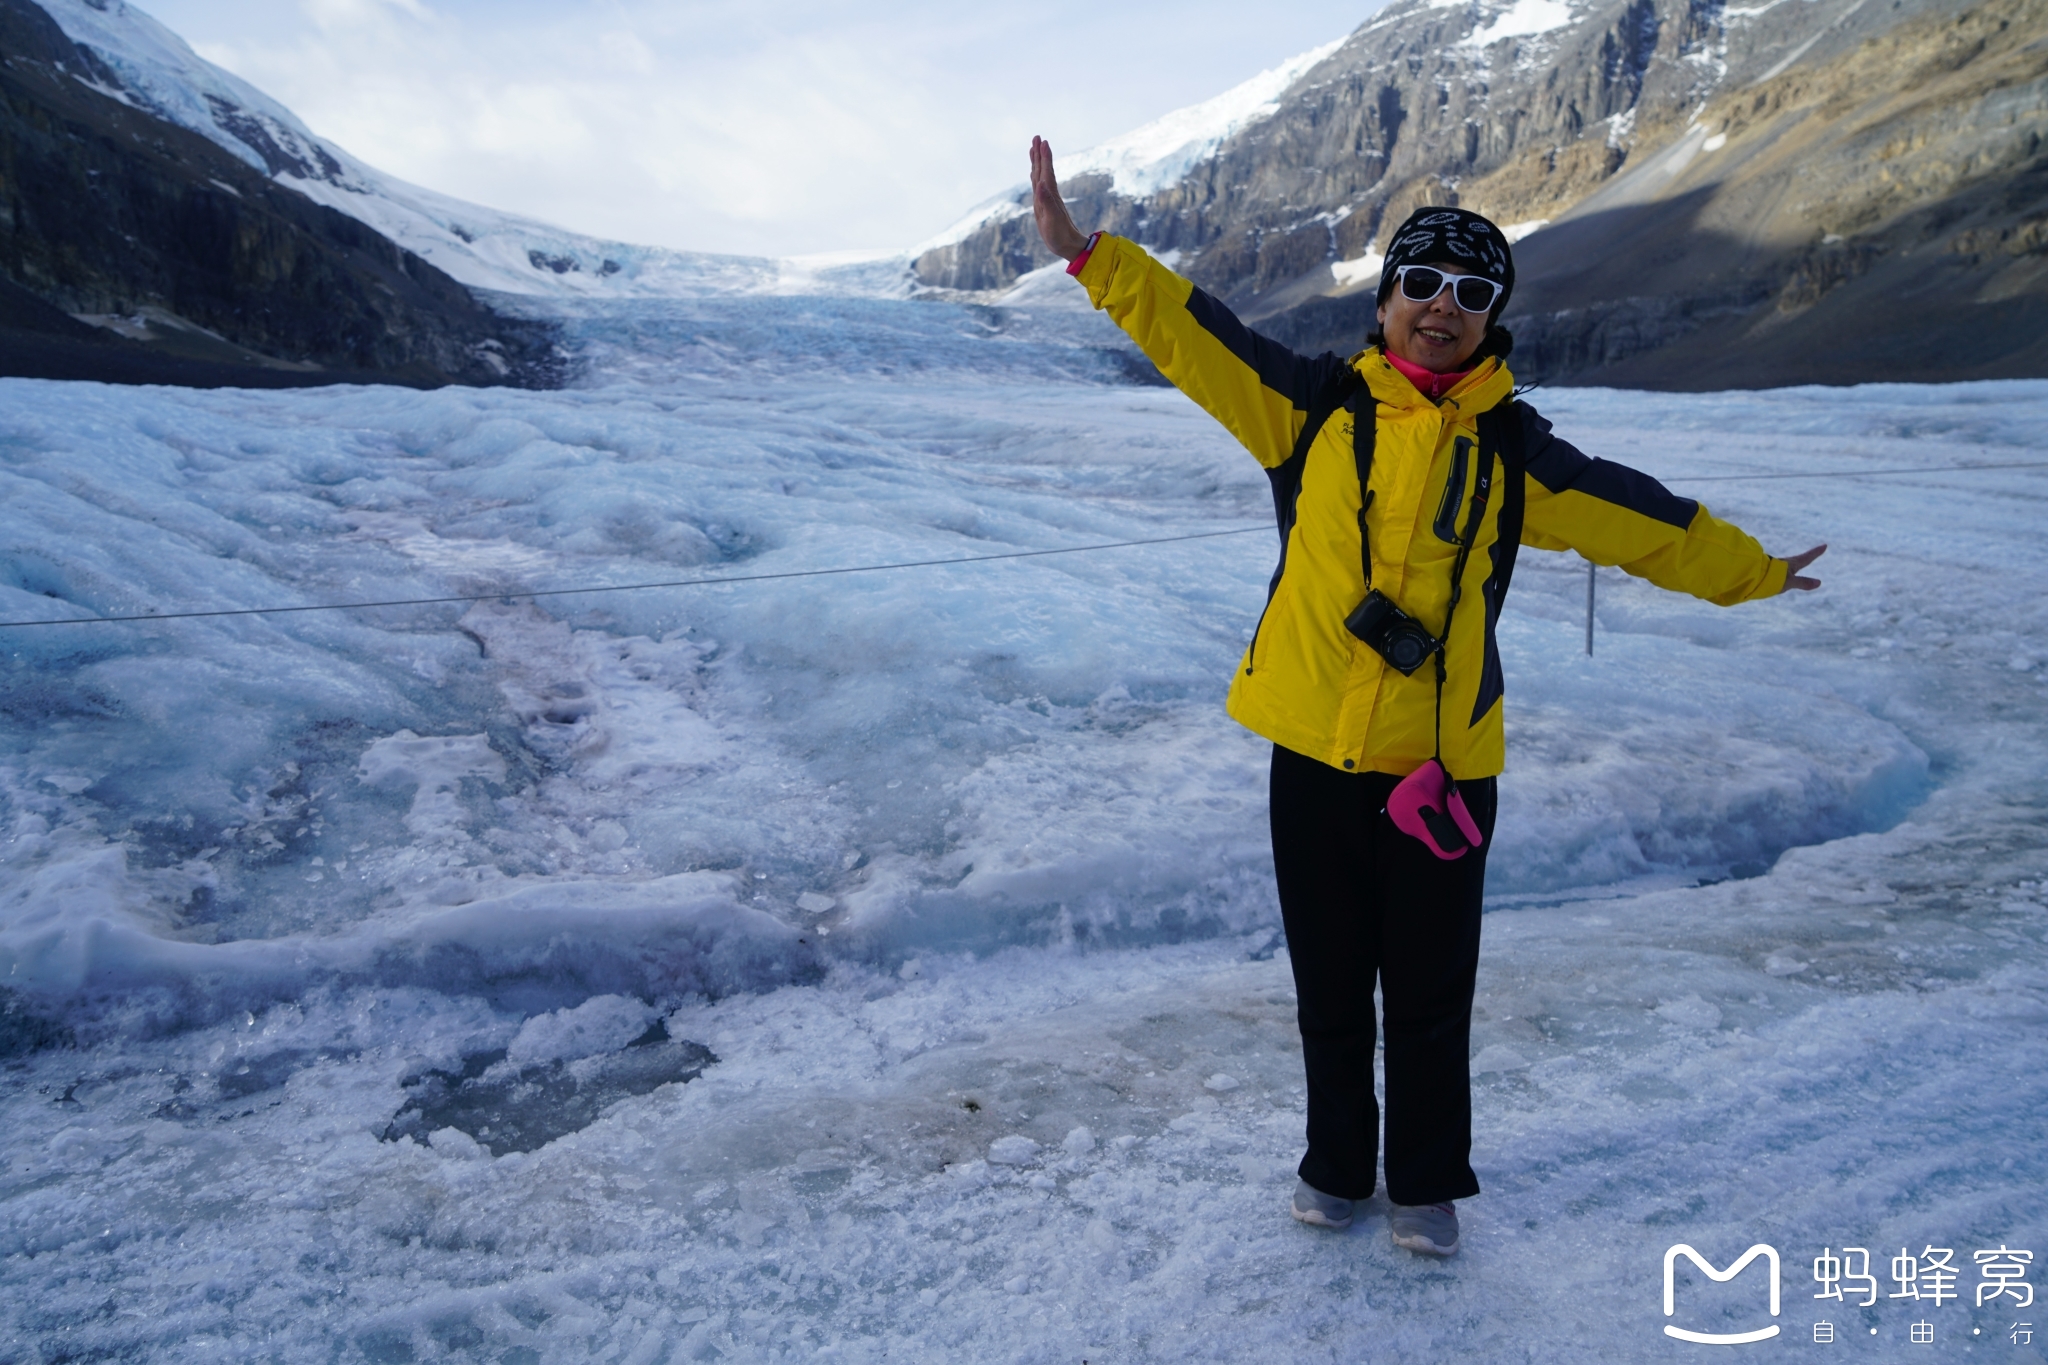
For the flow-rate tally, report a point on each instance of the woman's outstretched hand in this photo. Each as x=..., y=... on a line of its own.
x=1055, y=224
x=1794, y=563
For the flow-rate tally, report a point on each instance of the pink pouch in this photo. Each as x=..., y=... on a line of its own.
x=1428, y=805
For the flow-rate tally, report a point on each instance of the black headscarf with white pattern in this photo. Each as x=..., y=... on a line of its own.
x=1457, y=237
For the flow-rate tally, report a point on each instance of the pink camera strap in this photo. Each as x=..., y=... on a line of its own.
x=1428, y=806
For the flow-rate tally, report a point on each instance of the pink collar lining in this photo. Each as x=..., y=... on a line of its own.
x=1431, y=384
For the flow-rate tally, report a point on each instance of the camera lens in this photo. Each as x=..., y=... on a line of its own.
x=1406, y=653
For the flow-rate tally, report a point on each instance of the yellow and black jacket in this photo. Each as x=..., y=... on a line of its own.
x=1306, y=682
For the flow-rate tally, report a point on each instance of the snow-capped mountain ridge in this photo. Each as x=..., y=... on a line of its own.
x=1424, y=98
x=1156, y=155
x=1162, y=152
x=141, y=251
x=154, y=69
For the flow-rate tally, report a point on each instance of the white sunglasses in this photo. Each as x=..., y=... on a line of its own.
x=1421, y=283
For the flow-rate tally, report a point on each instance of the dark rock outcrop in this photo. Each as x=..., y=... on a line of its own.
x=1421, y=106
x=202, y=269
x=1882, y=215
x=1779, y=194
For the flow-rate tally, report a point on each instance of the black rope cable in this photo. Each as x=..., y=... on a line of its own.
x=880, y=568
x=629, y=587
x=1861, y=473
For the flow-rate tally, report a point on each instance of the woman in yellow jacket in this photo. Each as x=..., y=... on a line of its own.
x=1404, y=479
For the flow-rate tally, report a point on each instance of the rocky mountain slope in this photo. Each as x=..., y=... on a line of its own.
x=155, y=70
x=196, y=267
x=1792, y=191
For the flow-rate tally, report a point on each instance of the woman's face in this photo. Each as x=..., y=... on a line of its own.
x=1437, y=335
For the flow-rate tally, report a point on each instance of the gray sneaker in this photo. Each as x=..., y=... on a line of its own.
x=1321, y=1210
x=1428, y=1228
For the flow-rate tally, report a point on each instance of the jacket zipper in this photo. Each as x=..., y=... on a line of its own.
x=1251, y=657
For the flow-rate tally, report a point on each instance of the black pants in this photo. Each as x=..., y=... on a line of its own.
x=1361, y=900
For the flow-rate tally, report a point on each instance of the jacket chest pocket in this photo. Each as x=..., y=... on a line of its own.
x=1446, y=524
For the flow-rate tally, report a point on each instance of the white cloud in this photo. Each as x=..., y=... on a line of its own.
x=774, y=127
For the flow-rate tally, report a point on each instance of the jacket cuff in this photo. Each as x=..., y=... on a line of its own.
x=1095, y=267
x=1774, y=578
x=1080, y=262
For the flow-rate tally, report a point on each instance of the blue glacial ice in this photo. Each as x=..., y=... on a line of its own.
x=948, y=888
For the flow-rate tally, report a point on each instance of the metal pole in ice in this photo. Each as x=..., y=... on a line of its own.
x=1592, y=570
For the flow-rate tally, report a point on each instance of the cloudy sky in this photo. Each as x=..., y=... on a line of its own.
x=758, y=126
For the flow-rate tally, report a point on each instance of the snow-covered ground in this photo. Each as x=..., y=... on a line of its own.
x=884, y=965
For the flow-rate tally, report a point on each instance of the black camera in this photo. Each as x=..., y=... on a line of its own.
x=1393, y=634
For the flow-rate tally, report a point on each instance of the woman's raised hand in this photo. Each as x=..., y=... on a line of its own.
x=1794, y=581
x=1055, y=224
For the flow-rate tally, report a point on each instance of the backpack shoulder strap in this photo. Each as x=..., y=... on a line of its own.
x=1364, y=409
x=1501, y=432
x=1341, y=392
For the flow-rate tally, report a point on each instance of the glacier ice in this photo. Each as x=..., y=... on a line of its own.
x=852, y=967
